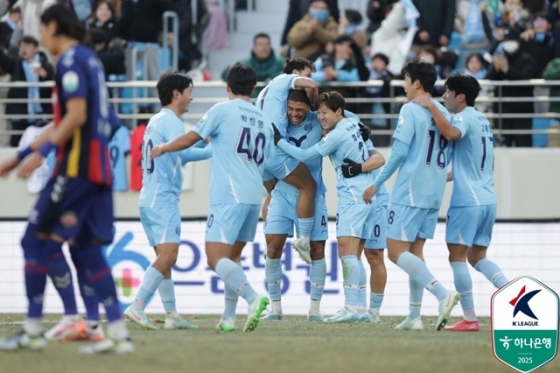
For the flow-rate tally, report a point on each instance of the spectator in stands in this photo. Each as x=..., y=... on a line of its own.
x=30, y=66
x=106, y=40
x=469, y=22
x=190, y=35
x=435, y=23
x=516, y=15
x=344, y=64
x=349, y=24
x=552, y=72
x=30, y=12
x=263, y=60
x=11, y=31
x=216, y=33
x=475, y=66
x=104, y=20
x=378, y=71
x=140, y=26
x=310, y=35
x=297, y=9
x=509, y=62
x=376, y=12
x=539, y=41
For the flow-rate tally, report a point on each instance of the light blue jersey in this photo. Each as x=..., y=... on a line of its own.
x=473, y=160
x=304, y=136
x=273, y=100
x=344, y=141
x=119, y=147
x=382, y=197
x=162, y=177
x=242, y=138
x=423, y=172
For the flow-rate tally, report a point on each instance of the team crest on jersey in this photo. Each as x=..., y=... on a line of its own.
x=457, y=119
x=308, y=127
x=203, y=119
x=323, y=139
x=70, y=82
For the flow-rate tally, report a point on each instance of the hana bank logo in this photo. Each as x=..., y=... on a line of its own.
x=521, y=304
x=127, y=282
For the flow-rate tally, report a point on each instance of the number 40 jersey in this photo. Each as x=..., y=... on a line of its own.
x=242, y=138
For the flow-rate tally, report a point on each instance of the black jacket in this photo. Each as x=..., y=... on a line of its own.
x=544, y=50
x=142, y=21
x=437, y=17
x=14, y=66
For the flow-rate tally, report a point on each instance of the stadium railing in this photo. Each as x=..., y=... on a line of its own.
x=213, y=93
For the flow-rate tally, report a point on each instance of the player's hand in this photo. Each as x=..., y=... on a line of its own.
x=423, y=100
x=351, y=168
x=157, y=151
x=365, y=131
x=369, y=194
x=8, y=165
x=277, y=135
x=29, y=165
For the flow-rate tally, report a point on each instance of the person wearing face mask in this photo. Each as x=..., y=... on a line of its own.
x=310, y=35
x=509, y=62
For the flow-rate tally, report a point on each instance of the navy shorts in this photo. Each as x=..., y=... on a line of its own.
x=74, y=208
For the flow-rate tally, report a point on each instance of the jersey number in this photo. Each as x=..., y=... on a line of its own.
x=440, y=159
x=244, y=146
x=114, y=153
x=483, y=160
x=147, y=163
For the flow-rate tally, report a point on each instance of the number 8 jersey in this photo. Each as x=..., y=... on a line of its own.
x=241, y=138
x=423, y=173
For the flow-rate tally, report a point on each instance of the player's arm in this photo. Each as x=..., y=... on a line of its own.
x=302, y=155
x=449, y=176
x=309, y=86
x=182, y=142
x=376, y=160
x=195, y=154
x=447, y=130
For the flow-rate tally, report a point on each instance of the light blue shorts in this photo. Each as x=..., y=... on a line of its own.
x=279, y=166
x=378, y=229
x=282, y=216
x=161, y=224
x=228, y=223
x=407, y=223
x=354, y=220
x=468, y=225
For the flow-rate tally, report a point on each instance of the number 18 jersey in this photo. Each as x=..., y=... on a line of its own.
x=241, y=138
x=423, y=173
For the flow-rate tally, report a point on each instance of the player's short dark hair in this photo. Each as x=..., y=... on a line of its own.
x=28, y=39
x=241, y=79
x=169, y=82
x=333, y=100
x=422, y=71
x=67, y=23
x=464, y=84
x=353, y=16
x=260, y=35
x=297, y=63
x=15, y=10
x=299, y=95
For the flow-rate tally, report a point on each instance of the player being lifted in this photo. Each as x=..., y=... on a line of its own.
x=343, y=141
x=472, y=210
x=77, y=203
x=242, y=139
x=422, y=155
x=159, y=199
x=273, y=101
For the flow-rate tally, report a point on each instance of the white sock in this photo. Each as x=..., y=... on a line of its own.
x=314, y=308
x=139, y=304
x=172, y=314
x=116, y=330
x=276, y=306
x=33, y=326
x=469, y=315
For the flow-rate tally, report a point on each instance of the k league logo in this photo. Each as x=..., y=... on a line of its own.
x=521, y=304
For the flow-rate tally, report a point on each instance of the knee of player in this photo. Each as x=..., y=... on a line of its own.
x=274, y=251
x=309, y=186
x=317, y=251
x=394, y=256
x=375, y=258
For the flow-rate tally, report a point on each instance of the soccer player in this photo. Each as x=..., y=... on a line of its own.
x=376, y=243
x=422, y=155
x=273, y=101
x=242, y=139
x=77, y=202
x=304, y=130
x=159, y=200
x=342, y=141
x=472, y=210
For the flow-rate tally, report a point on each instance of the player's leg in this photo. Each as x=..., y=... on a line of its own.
x=477, y=253
x=269, y=185
x=300, y=177
x=94, y=331
x=362, y=286
x=227, y=322
x=416, y=225
x=317, y=276
x=96, y=232
x=228, y=224
x=462, y=223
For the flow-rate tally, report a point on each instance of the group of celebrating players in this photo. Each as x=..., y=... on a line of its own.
x=280, y=141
